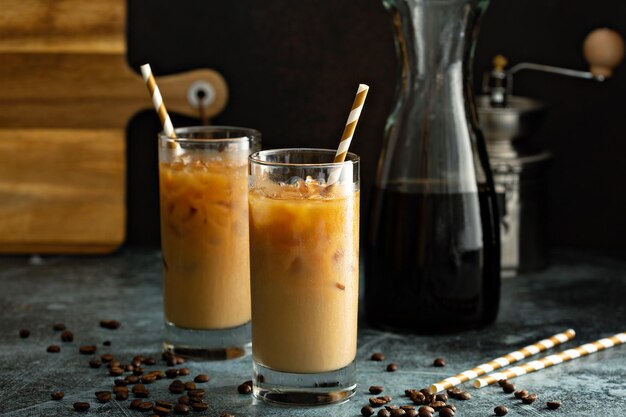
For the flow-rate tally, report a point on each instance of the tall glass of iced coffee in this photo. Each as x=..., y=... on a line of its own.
x=304, y=265
x=203, y=176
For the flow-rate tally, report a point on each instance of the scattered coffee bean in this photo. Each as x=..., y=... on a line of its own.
x=553, y=405
x=227, y=415
x=24, y=333
x=58, y=327
x=107, y=357
x=109, y=324
x=183, y=399
x=157, y=374
x=161, y=411
x=95, y=363
x=121, y=395
x=132, y=379
x=138, y=371
x=244, y=389
x=529, y=399
x=116, y=371
x=177, y=387
x=451, y=407
x=417, y=397
x=463, y=396
x=117, y=389
x=411, y=413
x=386, y=398
x=107, y=343
x=201, y=378
x=148, y=379
x=103, y=396
x=501, y=410
x=398, y=412
x=424, y=413
x=407, y=407
x=520, y=394
x=446, y=412
x=452, y=392
x=391, y=407
x=199, y=406
x=67, y=336
x=376, y=389
x=197, y=392
x=88, y=349
x=184, y=371
x=190, y=385
x=181, y=408
x=144, y=406
x=501, y=382
x=427, y=409
x=164, y=404
x=377, y=402
x=57, y=395
x=437, y=405
x=81, y=406
x=171, y=373
x=128, y=368
x=508, y=387
x=378, y=357
x=137, y=360
x=53, y=349
x=140, y=391
x=149, y=361
x=134, y=404
x=439, y=362
x=383, y=413
x=441, y=397
x=114, y=364
x=392, y=367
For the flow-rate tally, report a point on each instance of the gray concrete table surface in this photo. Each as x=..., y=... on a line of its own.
x=581, y=291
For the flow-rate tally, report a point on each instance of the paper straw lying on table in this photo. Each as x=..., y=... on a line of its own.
x=552, y=360
x=505, y=360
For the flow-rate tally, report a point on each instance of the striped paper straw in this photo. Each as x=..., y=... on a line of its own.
x=348, y=131
x=552, y=360
x=158, y=103
x=505, y=360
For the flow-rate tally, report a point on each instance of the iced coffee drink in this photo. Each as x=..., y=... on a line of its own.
x=304, y=247
x=204, y=237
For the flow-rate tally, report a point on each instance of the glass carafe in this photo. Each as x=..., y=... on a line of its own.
x=432, y=250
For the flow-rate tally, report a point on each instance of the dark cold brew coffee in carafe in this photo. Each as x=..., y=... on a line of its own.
x=432, y=244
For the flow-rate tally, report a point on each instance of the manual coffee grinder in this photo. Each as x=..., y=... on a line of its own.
x=507, y=122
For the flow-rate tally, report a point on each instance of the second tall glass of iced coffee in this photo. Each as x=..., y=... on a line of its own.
x=304, y=251
x=204, y=237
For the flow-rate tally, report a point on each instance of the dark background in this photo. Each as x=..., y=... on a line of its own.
x=293, y=68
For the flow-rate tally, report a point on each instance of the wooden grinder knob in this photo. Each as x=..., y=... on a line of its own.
x=604, y=50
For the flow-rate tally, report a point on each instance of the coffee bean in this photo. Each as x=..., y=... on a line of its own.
x=244, y=389
x=529, y=399
x=201, y=378
x=377, y=401
x=501, y=410
x=150, y=361
x=161, y=411
x=249, y=382
x=132, y=379
x=117, y=389
x=138, y=360
x=138, y=371
x=199, y=406
x=398, y=412
x=441, y=397
x=171, y=373
x=424, y=414
x=376, y=389
x=184, y=371
x=107, y=357
x=553, y=405
x=196, y=392
x=57, y=395
x=508, y=388
x=411, y=413
x=24, y=333
x=81, y=406
x=121, y=395
x=437, y=405
x=116, y=371
x=144, y=406
x=181, y=408
x=183, y=399
x=451, y=407
x=452, y=392
x=386, y=398
x=427, y=409
x=148, y=379
x=446, y=412
x=190, y=385
x=58, y=327
x=67, y=336
x=128, y=368
x=114, y=364
x=391, y=407
x=392, y=367
x=383, y=413
x=134, y=404
x=439, y=362
x=227, y=415
x=95, y=363
x=164, y=404
x=140, y=391
x=103, y=396
x=501, y=382
x=520, y=394
x=88, y=349
x=463, y=396
x=418, y=398
x=367, y=411
x=157, y=374
x=407, y=407
x=378, y=357
x=53, y=349
x=107, y=343
x=109, y=324
x=177, y=388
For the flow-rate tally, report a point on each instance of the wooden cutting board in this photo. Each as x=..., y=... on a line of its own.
x=66, y=95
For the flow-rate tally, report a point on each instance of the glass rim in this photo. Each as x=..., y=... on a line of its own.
x=254, y=158
x=249, y=134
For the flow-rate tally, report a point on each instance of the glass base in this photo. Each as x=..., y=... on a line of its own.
x=207, y=344
x=287, y=388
